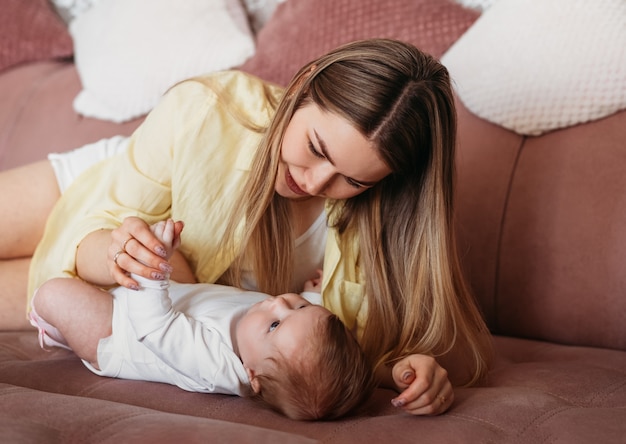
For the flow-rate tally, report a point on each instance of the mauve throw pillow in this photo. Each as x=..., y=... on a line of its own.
x=301, y=30
x=30, y=30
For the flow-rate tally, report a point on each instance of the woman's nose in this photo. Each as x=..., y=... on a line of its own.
x=319, y=178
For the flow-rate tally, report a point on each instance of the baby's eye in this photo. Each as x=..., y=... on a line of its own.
x=273, y=325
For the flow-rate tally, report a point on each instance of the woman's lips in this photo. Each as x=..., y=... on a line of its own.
x=292, y=184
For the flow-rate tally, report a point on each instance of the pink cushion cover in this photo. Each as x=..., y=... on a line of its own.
x=30, y=30
x=301, y=30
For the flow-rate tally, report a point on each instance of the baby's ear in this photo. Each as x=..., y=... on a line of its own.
x=254, y=381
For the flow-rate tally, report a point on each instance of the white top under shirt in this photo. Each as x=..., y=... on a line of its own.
x=308, y=256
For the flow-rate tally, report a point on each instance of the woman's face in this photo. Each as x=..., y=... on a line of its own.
x=324, y=155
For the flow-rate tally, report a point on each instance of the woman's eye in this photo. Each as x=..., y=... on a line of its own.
x=274, y=325
x=314, y=151
x=354, y=184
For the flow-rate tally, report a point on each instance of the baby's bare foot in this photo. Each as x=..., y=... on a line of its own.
x=164, y=232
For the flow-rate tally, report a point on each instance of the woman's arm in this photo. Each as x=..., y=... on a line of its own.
x=91, y=259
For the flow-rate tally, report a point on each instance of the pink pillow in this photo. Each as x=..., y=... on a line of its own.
x=301, y=30
x=30, y=30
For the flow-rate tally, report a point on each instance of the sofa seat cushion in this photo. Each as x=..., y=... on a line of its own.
x=533, y=395
x=28, y=415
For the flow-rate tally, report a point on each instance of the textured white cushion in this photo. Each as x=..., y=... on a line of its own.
x=129, y=52
x=70, y=9
x=537, y=65
x=260, y=11
x=479, y=5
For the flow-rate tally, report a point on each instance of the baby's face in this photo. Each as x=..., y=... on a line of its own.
x=283, y=323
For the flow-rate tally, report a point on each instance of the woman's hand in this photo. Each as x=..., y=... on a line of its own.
x=423, y=384
x=135, y=249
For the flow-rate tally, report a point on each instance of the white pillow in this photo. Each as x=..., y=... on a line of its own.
x=260, y=11
x=129, y=52
x=70, y=9
x=479, y=5
x=537, y=65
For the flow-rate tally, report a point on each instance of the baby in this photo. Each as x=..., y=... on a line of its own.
x=297, y=357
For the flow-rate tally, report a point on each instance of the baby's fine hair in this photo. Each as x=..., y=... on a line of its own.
x=329, y=379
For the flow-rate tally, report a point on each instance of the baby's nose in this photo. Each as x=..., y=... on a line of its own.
x=281, y=303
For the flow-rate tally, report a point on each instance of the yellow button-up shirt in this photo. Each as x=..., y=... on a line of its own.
x=186, y=161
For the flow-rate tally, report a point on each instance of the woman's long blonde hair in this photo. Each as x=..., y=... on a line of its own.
x=401, y=99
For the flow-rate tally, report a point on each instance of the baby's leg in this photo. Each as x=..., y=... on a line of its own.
x=80, y=313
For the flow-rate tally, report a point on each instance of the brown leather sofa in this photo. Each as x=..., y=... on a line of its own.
x=542, y=232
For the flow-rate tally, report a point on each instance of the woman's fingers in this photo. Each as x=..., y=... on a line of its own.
x=137, y=229
x=135, y=249
x=139, y=260
x=434, y=401
x=424, y=384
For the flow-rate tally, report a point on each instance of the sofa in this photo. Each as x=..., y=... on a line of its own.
x=541, y=222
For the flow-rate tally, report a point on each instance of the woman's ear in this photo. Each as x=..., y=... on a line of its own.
x=254, y=381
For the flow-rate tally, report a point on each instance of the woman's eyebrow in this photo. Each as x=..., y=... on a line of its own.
x=323, y=148
x=324, y=151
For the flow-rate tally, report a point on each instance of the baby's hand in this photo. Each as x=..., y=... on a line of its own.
x=426, y=389
x=314, y=285
x=168, y=233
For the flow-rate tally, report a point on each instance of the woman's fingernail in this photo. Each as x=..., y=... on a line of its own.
x=157, y=276
x=166, y=268
x=133, y=287
x=161, y=251
x=397, y=402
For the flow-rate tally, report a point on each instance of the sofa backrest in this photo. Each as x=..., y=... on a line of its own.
x=542, y=229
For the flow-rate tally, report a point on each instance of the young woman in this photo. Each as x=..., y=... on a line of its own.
x=350, y=169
